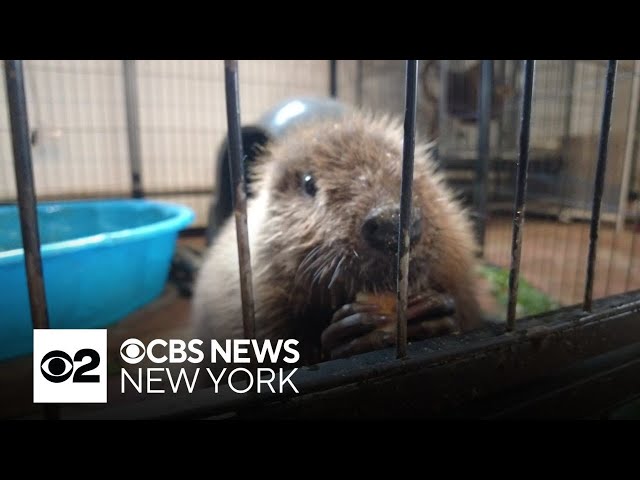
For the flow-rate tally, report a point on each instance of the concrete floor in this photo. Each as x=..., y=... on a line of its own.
x=553, y=260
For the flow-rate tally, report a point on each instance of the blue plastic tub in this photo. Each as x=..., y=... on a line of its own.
x=101, y=260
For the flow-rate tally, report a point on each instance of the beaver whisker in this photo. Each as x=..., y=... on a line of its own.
x=308, y=260
x=322, y=270
x=336, y=272
x=317, y=265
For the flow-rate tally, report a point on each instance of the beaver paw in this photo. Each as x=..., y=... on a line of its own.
x=358, y=328
x=431, y=315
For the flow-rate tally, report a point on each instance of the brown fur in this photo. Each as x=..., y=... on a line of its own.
x=307, y=255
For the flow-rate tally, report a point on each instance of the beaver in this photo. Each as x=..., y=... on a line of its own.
x=323, y=226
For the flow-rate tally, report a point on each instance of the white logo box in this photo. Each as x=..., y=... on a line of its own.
x=77, y=373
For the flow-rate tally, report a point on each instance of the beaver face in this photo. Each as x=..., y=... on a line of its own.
x=334, y=206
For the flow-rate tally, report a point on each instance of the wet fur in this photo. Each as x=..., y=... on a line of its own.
x=307, y=255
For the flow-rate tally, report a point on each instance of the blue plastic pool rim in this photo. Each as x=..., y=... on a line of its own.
x=181, y=217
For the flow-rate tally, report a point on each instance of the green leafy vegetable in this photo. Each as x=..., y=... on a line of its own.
x=530, y=300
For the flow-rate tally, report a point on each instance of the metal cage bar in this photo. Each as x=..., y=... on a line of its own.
x=568, y=104
x=599, y=181
x=133, y=126
x=405, y=204
x=359, y=81
x=27, y=202
x=239, y=195
x=521, y=190
x=484, y=145
x=333, y=78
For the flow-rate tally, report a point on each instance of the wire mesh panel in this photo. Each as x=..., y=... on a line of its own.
x=183, y=123
x=77, y=130
x=558, y=237
x=7, y=174
x=79, y=124
x=565, y=128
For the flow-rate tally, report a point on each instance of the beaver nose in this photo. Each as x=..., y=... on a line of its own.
x=380, y=228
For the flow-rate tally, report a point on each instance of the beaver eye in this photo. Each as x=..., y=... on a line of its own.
x=309, y=184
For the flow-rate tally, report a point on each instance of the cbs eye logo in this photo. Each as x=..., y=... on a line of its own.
x=132, y=351
x=57, y=367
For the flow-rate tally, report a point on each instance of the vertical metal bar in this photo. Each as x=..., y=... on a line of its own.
x=133, y=126
x=405, y=204
x=239, y=195
x=521, y=190
x=599, y=181
x=568, y=106
x=628, y=151
x=500, y=79
x=484, y=132
x=27, y=203
x=359, y=81
x=514, y=77
x=333, y=78
x=588, y=77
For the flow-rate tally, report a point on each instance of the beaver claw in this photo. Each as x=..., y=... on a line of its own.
x=358, y=328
